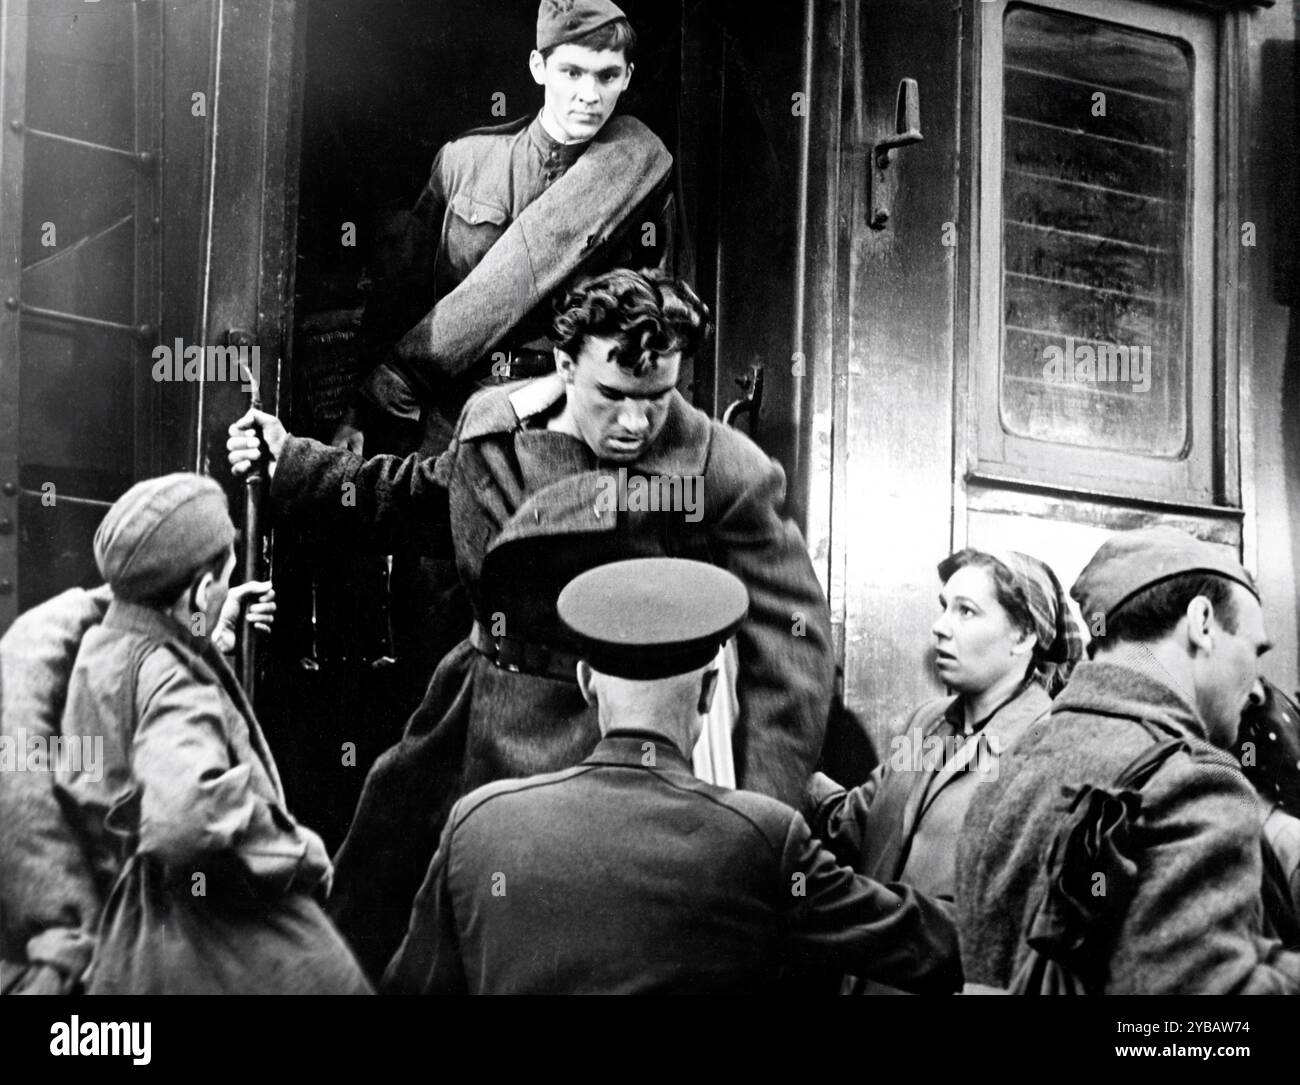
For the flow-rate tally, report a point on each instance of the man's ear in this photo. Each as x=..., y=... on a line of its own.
x=1200, y=623
x=565, y=365
x=585, y=675
x=537, y=65
x=708, y=686
x=201, y=592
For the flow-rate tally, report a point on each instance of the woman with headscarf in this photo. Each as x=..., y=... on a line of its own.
x=1004, y=644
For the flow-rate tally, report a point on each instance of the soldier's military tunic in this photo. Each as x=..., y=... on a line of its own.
x=503, y=222
x=481, y=183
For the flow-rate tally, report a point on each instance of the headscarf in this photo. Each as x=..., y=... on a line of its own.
x=1060, y=640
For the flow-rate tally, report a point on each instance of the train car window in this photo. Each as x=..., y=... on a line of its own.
x=1096, y=290
x=1094, y=219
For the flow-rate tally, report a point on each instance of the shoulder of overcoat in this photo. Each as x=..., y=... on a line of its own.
x=684, y=446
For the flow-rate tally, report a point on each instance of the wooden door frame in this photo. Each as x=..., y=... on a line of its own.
x=13, y=94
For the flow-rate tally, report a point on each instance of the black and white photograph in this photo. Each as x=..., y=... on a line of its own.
x=791, y=500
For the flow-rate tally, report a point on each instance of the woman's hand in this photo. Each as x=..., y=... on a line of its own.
x=260, y=615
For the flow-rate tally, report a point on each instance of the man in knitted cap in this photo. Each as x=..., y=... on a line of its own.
x=1172, y=889
x=627, y=874
x=206, y=882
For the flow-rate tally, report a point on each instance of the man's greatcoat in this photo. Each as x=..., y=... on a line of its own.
x=529, y=511
x=1194, y=922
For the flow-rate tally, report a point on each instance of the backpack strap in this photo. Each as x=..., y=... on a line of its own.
x=1137, y=772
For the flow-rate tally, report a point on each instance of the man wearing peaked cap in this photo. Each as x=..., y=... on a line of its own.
x=626, y=873
x=1178, y=633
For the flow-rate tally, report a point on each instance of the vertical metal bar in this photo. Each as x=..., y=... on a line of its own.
x=252, y=556
x=13, y=92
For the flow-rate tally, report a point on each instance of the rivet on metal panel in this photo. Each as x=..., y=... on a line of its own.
x=9, y=489
x=6, y=586
x=6, y=525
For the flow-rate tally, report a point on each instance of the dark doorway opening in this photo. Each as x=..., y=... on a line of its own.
x=385, y=87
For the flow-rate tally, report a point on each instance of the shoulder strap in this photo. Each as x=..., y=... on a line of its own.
x=1138, y=771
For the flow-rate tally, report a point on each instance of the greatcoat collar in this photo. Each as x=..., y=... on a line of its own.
x=1129, y=682
x=573, y=504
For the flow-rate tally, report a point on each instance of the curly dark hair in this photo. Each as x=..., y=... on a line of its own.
x=647, y=313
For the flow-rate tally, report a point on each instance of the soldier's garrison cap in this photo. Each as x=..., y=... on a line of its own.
x=652, y=617
x=1132, y=561
x=560, y=21
x=160, y=530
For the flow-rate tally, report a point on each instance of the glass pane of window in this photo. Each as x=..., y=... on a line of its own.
x=1095, y=213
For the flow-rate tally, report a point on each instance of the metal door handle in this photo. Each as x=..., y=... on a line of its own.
x=749, y=404
x=907, y=130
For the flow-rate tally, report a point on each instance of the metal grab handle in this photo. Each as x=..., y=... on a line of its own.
x=254, y=482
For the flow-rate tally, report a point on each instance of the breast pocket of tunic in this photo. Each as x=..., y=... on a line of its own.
x=474, y=225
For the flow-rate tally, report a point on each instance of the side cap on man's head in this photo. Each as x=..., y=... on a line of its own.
x=560, y=21
x=160, y=530
x=652, y=617
x=1132, y=561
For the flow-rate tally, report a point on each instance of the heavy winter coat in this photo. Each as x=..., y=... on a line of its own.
x=1193, y=924
x=526, y=516
x=183, y=816
x=49, y=905
x=904, y=822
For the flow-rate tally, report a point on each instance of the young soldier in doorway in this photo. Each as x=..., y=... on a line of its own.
x=509, y=214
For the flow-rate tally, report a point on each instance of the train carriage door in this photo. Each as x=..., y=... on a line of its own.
x=143, y=170
x=1045, y=341
x=893, y=404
